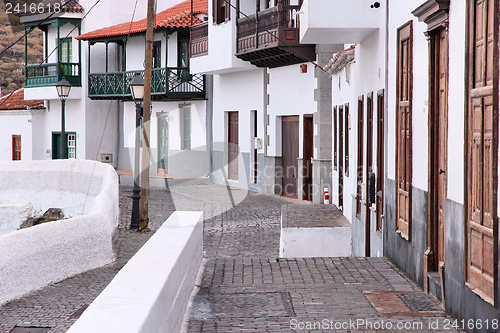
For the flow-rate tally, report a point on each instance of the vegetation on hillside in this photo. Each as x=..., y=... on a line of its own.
x=12, y=61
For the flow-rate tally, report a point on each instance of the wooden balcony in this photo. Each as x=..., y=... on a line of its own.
x=166, y=83
x=270, y=38
x=199, y=40
x=49, y=74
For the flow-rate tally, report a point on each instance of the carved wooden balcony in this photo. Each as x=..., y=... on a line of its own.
x=199, y=40
x=270, y=38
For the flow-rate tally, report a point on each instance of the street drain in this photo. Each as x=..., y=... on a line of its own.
x=419, y=302
x=253, y=305
x=24, y=329
x=79, y=312
x=243, y=305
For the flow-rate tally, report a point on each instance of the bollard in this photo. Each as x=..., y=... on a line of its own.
x=327, y=196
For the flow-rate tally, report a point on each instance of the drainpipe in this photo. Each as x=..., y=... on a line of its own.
x=264, y=111
x=386, y=110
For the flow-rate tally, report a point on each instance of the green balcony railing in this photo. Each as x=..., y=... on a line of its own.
x=165, y=82
x=49, y=74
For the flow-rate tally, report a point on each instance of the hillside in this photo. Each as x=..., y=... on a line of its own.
x=12, y=61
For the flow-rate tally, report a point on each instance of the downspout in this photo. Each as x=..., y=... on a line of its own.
x=386, y=117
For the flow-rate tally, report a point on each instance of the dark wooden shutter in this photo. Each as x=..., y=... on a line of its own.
x=335, y=138
x=16, y=147
x=482, y=148
x=404, y=90
x=380, y=158
x=359, y=170
x=346, y=138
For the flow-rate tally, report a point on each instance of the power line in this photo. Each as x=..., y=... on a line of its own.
x=274, y=35
x=47, y=57
x=32, y=28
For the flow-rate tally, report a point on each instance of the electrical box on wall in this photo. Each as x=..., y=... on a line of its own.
x=107, y=158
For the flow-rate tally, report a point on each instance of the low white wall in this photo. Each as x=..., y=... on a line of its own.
x=35, y=257
x=151, y=292
x=12, y=215
x=315, y=242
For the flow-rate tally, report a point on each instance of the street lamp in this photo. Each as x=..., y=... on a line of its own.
x=63, y=88
x=137, y=90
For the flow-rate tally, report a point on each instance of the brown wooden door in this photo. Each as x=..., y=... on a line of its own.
x=441, y=83
x=404, y=130
x=308, y=155
x=16, y=147
x=380, y=158
x=290, y=154
x=359, y=170
x=341, y=157
x=233, y=148
x=482, y=148
x=369, y=168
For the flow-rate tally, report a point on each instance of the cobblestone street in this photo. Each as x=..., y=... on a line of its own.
x=244, y=286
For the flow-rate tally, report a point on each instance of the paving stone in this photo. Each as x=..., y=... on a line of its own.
x=245, y=287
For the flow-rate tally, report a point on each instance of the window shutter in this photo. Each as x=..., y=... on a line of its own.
x=404, y=91
x=482, y=151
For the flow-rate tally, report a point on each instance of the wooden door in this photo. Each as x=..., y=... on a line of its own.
x=380, y=158
x=359, y=170
x=441, y=84
x=233, y=148
x=369, y=168
x=16, y=147
x=341, y=157
x=404, y=130
x=290, y=154
x=307, y=158
x=163, y=143
x=482, y=148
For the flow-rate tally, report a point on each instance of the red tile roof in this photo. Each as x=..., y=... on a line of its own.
x=16, y=102
x=71, y=6
x=178, y=16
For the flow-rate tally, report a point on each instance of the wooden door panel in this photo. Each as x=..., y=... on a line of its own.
x=290, y=154
x=380, y=159
x=482, y=143
x=359, y=171
x=233, y=147
x=341, y=156
x=308, y=148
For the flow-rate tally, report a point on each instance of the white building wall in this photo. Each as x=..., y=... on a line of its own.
x=222, y=45
x=177, y=156
x=456, y=103
x=290, y=93
x=15, y=123
x=343, y=91
x=400, y=13
x=75, y=122
x=172, y=50
x=242, y=92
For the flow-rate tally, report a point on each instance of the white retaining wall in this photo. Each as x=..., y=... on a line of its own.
x=315, y=242
x=35, y=257
x=151, y=292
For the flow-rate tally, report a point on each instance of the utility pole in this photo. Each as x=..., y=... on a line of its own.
x=148, y=64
